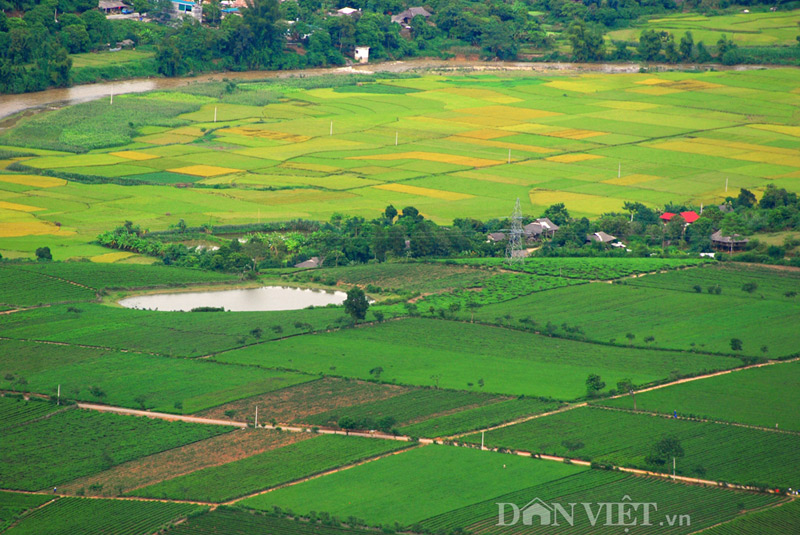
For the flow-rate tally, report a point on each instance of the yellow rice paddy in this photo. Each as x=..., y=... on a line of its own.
x=424, y=192
x=134, y=155
x=204, y=170
x=5, y=205
x=33, y=180
x=572, y=158
x=109, y=258
x=431, y=157
x=630, y=180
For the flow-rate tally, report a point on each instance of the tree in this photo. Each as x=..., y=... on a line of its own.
x=390, y=213
x=736, y=344
x=356, y=303
x=745, y=199
x=664, y=450
x=749, y=287
x=43, y=253
x=557, y=213
x=649, y=45
x=587, y=44
x=594, y=384
x=687, y=47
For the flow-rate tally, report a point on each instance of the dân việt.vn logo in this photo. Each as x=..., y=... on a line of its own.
x=624, y=513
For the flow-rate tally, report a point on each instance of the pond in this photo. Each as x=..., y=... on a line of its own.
x=241, y=300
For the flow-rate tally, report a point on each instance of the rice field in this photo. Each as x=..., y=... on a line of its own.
x=452, y=146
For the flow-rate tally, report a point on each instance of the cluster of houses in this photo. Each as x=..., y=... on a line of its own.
x=180, y=8
x=544, y=228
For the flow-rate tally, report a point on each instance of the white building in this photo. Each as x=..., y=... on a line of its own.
x=362, y=54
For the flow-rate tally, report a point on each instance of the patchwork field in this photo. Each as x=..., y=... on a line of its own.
x=448, y=145
x=712, y=451
x=49, y=452
x=433, y=352
x=760, y=396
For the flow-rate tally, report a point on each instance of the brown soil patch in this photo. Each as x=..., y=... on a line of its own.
x=300, y=401
x=184, y=460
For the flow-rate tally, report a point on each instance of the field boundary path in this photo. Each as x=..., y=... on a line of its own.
x=704, y=420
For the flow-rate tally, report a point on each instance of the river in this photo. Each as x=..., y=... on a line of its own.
x=12, y=104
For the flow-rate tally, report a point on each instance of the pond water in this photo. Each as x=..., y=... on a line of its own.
x=242, y=300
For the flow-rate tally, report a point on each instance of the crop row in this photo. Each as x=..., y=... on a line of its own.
x=15, y=411
x=711, y=451
x=478, y=417
x=781, y=519
x=593, y=268
x=269, y=469
x=76, y=443
x=413, y=406
x=13, y=505
x=67, y=516
x=239, y=522
x=23, y=288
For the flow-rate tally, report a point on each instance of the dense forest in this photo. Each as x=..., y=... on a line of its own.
x=37, y=37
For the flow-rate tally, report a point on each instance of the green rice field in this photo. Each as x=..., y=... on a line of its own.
x=591, y=141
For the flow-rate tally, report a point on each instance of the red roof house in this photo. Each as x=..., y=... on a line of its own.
x=689, y=217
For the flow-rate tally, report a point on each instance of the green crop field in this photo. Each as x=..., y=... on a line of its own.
x=161, y=383
x=478, y=417
x=769, y=283
x=430, y=352
x=233, y=521
x=17, y=411
x=677, y=137
x=12, y=505
x=761, y=396
x=97, y=517
x=269, y=469
x=676, y=318
x=712, y=451
x=406, y=408
x=185, y=334
x=746, y=29
x=381, y=492
x=704, y=506
x=77, y=443
x=591, y=268
x=781, y=519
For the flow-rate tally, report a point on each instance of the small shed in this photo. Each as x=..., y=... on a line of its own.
x=362, y=54
x=496, y=237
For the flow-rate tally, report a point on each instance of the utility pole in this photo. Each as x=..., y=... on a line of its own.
x=482, y=433
x=58, y=401
x=112, y=102
x=396, y=137
x=619, y=170
x=215, y=114
x=514, y=247
x=673, y=467
x=332, y=132
x=509, y=155
x=726, y=185
x=256, y=416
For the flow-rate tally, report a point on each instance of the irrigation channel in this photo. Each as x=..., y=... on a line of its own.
x=55, y=98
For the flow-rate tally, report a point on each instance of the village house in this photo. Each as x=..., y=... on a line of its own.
x=689, y=217
x=729, y=243
x=404, y=18
x=112, y=7
x=601, y=237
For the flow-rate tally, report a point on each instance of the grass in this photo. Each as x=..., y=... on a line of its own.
x=590, y=268
x=674, y=318
x=16, y=411
x=234, y=521
x=189, y=334
x=13, y=505
x=23, y=288
x=96, y=517
x=270, y=468
x=406, y=408
x=713, y=451
x=427, y=352
x=478, y=417
x=372, y=492
x=160, y=383
x=781, y=519
x=705, y=506
x=759, y=396
x=77, y=443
